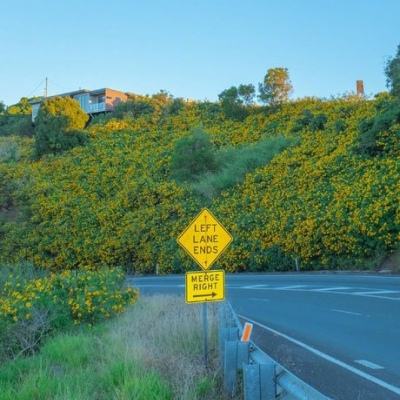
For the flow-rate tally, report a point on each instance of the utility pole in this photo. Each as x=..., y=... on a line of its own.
x=45, y=88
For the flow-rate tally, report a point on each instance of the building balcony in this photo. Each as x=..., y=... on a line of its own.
x=95, y=108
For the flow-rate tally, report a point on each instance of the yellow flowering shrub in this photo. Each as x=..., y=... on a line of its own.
x=78, y=296
x=35, y=303
x=113, y=202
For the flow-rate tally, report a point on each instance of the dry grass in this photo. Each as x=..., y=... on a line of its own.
x=165, y=334
x=152, y=352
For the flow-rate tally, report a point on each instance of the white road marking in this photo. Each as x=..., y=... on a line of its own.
x=299, y=289
x=376, y=292
x=373, y=296
x=369, y=364
x=377, y=381
x=346, y=312
x=331, y=288
x=156, y=286
x=258, y=299
x=254, y=287
x=291, y=287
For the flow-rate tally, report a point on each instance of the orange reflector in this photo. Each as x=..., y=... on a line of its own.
x=246, y=332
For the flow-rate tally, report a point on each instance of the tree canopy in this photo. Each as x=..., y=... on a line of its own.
x=276, y=87
x=58, y=125
x=393, y=74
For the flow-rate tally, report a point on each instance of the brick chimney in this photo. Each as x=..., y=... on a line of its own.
x=360, y=88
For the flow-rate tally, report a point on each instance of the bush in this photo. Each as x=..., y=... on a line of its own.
x=58, y=126
x=9, y=151
x=20, y=125
x=193, y=156
x=32, y=308
x=340, y=125
x=380, y=135
x=318, y=122
x=132, y=109
x=236, y=163
x=304, y=121
x=175, y=107
x=277, y=260
x=309, y=120
x=112, y=202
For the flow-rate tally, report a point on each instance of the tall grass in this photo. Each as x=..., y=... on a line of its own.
x=236, y=162
x=152, y=352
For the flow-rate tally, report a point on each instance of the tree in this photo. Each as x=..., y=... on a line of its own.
x=234, y=100
x=392, y=71
x=58, y=126
x=23, y=107
x=276, y=87
x=16, y=119
x=193, y=156
x=247, y=93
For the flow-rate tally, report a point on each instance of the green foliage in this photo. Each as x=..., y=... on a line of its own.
x=318, y=122
x=90, y=365
x=310, y=121
x=234, y=100
x=193, y=156
x=9, y=150
x=276, y=87
x=392, y=71
x=340, y=125
x=209, y=110
x=113, y=202
x=23, y=107
x=246, y=94
x=58, y=126
x=16, y=119
x=36, y=304
x=132, y=109
x=274, y=259
x=236, y=162
x=304, y=121
x=20, y=125
x=174, y=107
x=380, y=134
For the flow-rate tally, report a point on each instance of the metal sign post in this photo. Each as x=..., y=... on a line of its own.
x=205, y=333
x=205, y=239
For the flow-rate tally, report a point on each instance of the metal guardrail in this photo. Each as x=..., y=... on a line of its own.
x=263, y=377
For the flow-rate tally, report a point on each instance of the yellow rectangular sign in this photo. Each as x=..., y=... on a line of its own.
x=204, y=286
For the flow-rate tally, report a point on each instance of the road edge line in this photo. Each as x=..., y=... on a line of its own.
x=327, y=357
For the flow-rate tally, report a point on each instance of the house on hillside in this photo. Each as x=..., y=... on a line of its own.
x=91, y=101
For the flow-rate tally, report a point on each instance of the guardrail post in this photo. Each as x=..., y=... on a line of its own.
x=259, y=381
x=226, y=334
x=236, y=356
x=242, y=354
x=230, y=367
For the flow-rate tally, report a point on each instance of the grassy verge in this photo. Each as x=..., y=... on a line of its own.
x=153, y=351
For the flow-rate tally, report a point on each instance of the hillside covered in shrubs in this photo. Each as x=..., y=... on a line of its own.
x=311, y=181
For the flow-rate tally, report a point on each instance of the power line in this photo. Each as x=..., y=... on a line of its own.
x=36, y=88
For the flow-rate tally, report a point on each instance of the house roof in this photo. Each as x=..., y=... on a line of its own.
x=73, y=93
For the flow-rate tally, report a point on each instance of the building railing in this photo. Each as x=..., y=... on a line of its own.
x=95, y=107
x=263, y=377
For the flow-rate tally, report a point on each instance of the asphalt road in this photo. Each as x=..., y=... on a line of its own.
x=339, y=333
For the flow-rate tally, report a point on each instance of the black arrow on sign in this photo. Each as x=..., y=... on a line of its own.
x=205, y=295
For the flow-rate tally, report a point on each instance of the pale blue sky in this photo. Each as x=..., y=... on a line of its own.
x=194, y=48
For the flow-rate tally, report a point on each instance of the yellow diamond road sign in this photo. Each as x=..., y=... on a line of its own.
x=205, y=286
x=205, y=239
